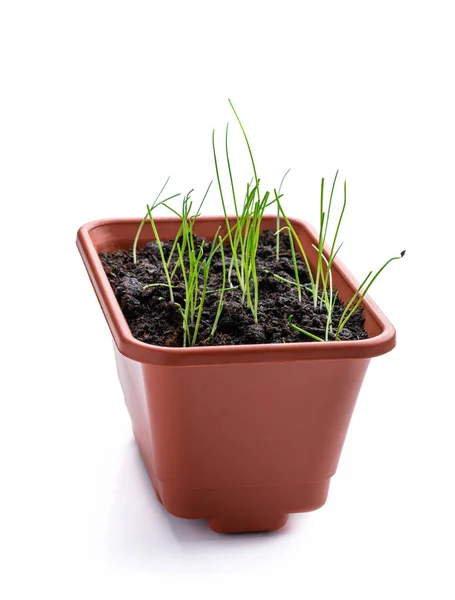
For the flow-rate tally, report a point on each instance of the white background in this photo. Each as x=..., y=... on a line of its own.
x=100, y=102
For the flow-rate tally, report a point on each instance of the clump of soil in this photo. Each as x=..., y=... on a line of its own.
x=153, y=319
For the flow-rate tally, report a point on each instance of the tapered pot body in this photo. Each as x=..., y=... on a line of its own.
x=239, y=435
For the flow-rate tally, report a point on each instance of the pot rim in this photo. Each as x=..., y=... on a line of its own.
x=132, y=348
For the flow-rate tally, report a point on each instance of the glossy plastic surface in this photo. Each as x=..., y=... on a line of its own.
x=241, y=435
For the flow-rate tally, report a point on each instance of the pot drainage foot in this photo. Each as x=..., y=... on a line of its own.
x=245, y=524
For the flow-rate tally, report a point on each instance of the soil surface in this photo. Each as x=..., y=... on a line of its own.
x=153, y=319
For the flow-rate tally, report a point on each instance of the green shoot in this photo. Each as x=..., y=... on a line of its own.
x=307, y=333
x=279, y=278
x=234, y=261
x=194, y=260
x=192, y=264
x=142, y=223
x=151, y=285
x=278, y=220
x=329, y=302
x=160, y=248
x=323, y=265
x=294, y=261
x=325, y=277
x=244, y=239
x=223, y=289
x=231, y=179
x=329, y=322
x=297, y=241
x=205, y=270
x=320, y=244
x=249, y=150
x=347, y=314
x=187, y=224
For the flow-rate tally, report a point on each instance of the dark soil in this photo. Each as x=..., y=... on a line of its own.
x=153, y=319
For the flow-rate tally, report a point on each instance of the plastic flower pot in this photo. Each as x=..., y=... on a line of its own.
x=238, y=435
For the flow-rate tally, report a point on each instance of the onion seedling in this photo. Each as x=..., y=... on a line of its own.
x=222, y=291
x=293, y=234
x=321, y=287
x=187, y=223
x=307, y=333
x=160, y=249
x=233, y=241
x=324, y=222
x=244, y=236
x=294, y=260
x=322, y=276
x=278, y=220
x=142, y=223
x=348, y=312
x=194, y=296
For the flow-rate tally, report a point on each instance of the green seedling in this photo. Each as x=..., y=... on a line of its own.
x=325, y=276
x=185, y=231
x=141, y=226
x=350, y=308
x=152, y=285
x=279, y=278
x=192, y=269
x=294, y=261
x=359, y=295
x=307, y=333
x=244, y=235
x=190, y=266
x=160, y=249
x=278, y=220
x=223, y=289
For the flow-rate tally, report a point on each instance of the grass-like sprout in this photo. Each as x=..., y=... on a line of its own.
x=205, y=272
x=322, y=277
x=321, y=286
x=351, y=306
x=144, y=220
x=296, y=240
x=360, y=295
x=249, y=229
x=152, y=285
x=320, y=245
x=185, y=231
x=294, y=261
x=279, y=278
x=278, y=220
x=161, y=251
x=222, y=291
x=232, y=240
x=325, y=276
x=307, y=333
x=244, y=236
x=329, y=301
x=195, y=267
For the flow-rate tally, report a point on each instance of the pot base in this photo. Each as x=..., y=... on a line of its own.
x=247, y=524
x=263, y=508
x=239, y=524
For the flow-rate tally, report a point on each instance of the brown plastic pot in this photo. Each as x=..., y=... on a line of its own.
x=238, y=435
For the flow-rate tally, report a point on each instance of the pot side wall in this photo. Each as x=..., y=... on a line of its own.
x=255, y=436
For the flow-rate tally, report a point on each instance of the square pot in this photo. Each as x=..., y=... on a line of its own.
x=238, y=435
